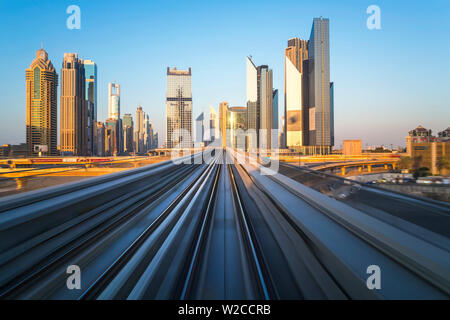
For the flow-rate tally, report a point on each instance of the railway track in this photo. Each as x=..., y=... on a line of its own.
x=217, y=230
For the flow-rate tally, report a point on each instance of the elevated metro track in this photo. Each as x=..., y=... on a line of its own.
x=216, y=230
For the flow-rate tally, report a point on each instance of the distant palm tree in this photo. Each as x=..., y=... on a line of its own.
x=442, y=163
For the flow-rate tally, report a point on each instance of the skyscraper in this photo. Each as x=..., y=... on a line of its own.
x=100, y=139
x=128, y=133
x=295, y=108
x=179, y=108
x=74, y=115
x=275, y=124
x=41, y=106
x=223, y=115
x=319, y=85
x=259, y=105
x=213, y=124
x=90, y=74
x=147, y=132
x=113, y=101
x=332, y=112
x=252, y=101
x=265, y=106
x=112, y=137
x=139, y=131
x=199, y=128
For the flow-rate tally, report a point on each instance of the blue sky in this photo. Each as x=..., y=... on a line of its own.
x=386, y=81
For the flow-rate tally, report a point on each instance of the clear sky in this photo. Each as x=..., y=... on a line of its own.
x=386, y=81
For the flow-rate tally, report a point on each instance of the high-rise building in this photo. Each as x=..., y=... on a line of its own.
x=148, y=131
x=100, y=139
x=275, y=124
x=265, y=106
x=179, y=108
x=41, y=105
x=113, y=101
x=113, y=139
x=223, y=115
x=155, y=140
x=139, y=131
x=295, y=104
x=252, y=102
x=74, y=113
x=332, y=112
x=128, y=140
x=237, y=126
x=319, y=85
x=213, y=124
x=90, y=74
x=259, y=104
x=200, y=128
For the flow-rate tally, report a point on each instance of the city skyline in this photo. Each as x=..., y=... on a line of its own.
x=375, y=78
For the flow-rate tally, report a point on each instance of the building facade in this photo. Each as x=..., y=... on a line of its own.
x=139, y=131
x=223, y=115
x=74, y=111
x=213, y=124
x=253, y=121
x=319, y=85
x=100, y=139
x=427, y=150
x=200, y=128
x=179, y=108
x=351, y=147
x=128, y=133
x=260, y=108
x=90, y=74
x=41, y=82
x=113, y=141
x=113, y=101
x=295, y=103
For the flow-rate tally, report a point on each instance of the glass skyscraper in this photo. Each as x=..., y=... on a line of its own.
x=113, y=101
x=90, y=74
x=74, y=115
x=259, y=105
x=295, y=110
x=178, y=108
x=319, y=84
x=41, y=105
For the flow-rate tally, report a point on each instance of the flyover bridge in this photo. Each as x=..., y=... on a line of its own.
x=348, y=167
x=226, y=229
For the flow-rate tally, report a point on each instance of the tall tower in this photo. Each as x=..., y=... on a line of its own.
x=179, y=108
x=213, y=124
x=223, y=115
x=295, y=98
x=319, y=85
x=74, y=115
x=253, y=121
x=113, y=101
x=259, y=105
x=41, y=105
x=90, y=74
x=139, y=131
x=265, y=106
x=127, y=123
x=200, y=128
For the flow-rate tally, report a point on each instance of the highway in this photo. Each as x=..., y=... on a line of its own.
x=220, y=229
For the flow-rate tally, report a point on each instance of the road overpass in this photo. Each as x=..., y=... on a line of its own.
x=216, y=230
